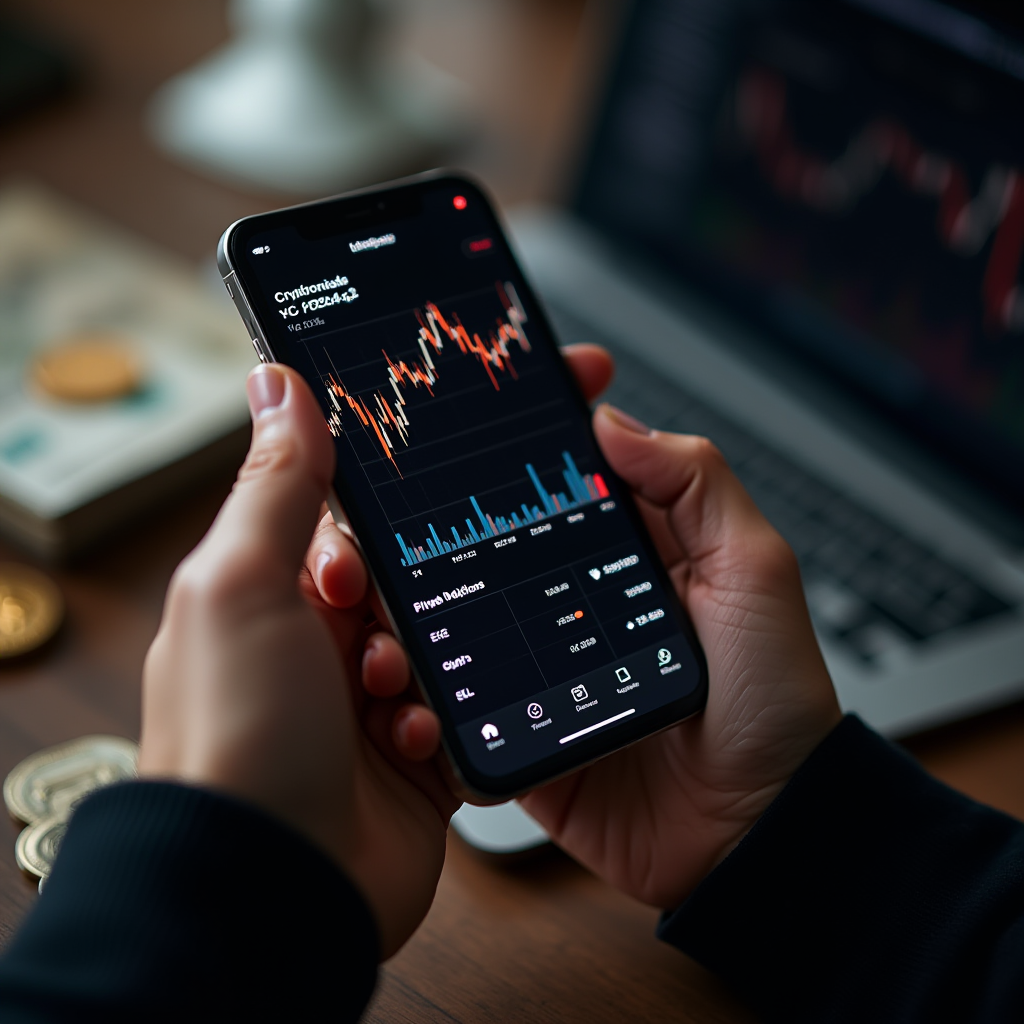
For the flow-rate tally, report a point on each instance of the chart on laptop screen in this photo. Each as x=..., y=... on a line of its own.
x=895, y=227
x=851, y=175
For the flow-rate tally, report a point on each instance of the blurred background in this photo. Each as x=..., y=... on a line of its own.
x=518, y=61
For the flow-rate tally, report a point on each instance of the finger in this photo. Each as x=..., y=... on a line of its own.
x=335, y=565
x=421, y=734
x=385, y=666
x=416, y=732
x=708, y=509
x=259, y=539
x=592, y=367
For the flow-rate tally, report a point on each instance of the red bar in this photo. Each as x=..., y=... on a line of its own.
x=602, y=490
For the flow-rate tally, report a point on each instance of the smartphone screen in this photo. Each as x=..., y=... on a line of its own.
x=539, y=619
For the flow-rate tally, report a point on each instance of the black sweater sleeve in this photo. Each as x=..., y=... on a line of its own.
x=867, y=891
x=169, y=903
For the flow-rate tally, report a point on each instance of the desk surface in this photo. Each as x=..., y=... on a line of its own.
x=542, y=940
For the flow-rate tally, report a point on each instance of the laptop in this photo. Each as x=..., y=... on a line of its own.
x=798, y=227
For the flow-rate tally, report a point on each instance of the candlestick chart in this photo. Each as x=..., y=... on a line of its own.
x=884, y=244
x=383, y=412
x=964, y=223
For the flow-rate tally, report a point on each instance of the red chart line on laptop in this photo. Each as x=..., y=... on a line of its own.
x=383, y=412
x=965, y=223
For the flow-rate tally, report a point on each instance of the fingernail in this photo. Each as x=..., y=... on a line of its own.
x=321, y=563
x=623, y=419
x=265, y=388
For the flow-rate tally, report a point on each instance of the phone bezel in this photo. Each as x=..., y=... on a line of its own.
x=365, y=207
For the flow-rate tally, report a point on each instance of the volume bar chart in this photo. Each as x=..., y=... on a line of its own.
x=581, y=489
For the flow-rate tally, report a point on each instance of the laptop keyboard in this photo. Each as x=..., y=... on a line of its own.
x=868, y=585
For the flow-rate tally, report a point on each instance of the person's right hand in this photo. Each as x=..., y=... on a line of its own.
x=655, y=818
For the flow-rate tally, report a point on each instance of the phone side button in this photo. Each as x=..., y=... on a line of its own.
x=259, y=351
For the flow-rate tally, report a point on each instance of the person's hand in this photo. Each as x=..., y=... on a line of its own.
x=655, y=818
x=261, y=685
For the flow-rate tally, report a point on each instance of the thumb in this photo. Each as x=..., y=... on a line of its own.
x=263, y=530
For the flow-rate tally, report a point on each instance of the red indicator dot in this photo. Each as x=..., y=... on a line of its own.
x=459, y=202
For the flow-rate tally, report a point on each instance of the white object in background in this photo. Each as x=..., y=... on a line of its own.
x=503, y=828
x=306, y=98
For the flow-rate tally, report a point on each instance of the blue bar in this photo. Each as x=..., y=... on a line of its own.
x=544, y=496
x=472, y=531
x=576, y=474
x=458, y=539
x=437, y=540
x=517, y=520
x=433, y=547
x=405, y=551
x=486, y=527
x=574, y=487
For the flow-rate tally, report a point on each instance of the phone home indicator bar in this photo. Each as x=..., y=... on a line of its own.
x=598, y=725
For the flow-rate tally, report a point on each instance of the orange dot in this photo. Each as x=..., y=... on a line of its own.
x=579, y=615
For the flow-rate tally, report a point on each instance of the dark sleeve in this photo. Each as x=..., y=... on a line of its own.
x=169, y=903
x=868, y=891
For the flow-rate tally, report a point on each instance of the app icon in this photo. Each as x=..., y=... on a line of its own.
x=622, y=674
x=535, y=710
x=664, y=656
x=579, y=693
x=595, y=573
x=464, y=694
x=489, y=732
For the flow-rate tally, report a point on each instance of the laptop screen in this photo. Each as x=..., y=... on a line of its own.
x=850, y=174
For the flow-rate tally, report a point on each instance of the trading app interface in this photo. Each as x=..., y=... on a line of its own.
x=851, y=173
x=515, y=565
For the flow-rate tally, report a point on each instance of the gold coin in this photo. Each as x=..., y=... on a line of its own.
x=88, y=368
x=50, y=782
x=36, y=847
x=31, y=609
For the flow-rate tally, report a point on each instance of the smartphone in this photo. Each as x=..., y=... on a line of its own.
x=539, y=621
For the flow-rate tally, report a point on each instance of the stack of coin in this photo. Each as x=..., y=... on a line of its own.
x=43, y=790
x=31, y=609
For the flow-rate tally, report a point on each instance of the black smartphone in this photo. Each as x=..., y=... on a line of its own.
x=539, y=620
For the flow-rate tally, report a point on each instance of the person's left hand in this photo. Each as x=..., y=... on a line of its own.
x=272, y=689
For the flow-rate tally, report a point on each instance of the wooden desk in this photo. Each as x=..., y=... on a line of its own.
x=543, y=941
